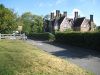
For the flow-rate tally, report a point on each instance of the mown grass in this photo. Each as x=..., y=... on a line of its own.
x=20, y=58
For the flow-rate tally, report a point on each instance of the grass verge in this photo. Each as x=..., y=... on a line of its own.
x=20, y=58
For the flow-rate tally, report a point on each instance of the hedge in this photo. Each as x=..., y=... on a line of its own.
x=87, y=40
x=42, y=36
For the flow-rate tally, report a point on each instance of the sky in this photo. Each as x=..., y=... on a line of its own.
x=44, y=7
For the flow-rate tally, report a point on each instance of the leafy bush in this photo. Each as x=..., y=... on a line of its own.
x=98, y=29
x=51, y=37
x=42, y=36
x=88, y=40
x=69, y=30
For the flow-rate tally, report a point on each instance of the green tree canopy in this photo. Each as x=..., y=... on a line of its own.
x=27, y=19
x=7, y=20
x=31, y=23
x=38, y=24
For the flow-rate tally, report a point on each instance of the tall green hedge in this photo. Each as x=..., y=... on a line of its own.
x=88, y=40
x=42, y=36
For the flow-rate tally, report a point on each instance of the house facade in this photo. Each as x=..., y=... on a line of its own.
x=60, y=22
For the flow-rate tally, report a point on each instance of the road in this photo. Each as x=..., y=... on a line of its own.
x=84, y=58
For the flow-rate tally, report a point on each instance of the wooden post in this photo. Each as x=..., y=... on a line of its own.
x=24, y=36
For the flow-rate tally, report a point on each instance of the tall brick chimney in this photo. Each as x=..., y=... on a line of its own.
x=57, y=13
x=76, y=15
x=65, y=14
x=60, y=15
x=52, y=15
x=91, y=18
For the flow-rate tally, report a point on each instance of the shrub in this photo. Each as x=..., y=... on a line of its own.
x=51, y=37
x=88, y=40
x=98, y=29
x=69, y=30
x=42, y=36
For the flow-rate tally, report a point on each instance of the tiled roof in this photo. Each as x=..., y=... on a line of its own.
x=78, y=22
x=60, y=20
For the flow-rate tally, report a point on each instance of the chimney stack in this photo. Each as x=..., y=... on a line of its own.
x=91, y=18
x=60, y=15
x=57, y=13
x=52, y=15
x=65, y=14
x=76, y=15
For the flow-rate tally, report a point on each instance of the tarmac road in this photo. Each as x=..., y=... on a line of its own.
x=88, y=59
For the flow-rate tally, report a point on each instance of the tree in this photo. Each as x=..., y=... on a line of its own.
x=27, y=19
x=98, y=28
x=38, y=24
x=32, y=23
x=46, y=17
x=20, y=24
x=7, y=20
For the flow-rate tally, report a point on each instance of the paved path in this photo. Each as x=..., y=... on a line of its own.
x=85, y=58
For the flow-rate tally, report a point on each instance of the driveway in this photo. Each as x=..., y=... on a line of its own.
x=85, y=58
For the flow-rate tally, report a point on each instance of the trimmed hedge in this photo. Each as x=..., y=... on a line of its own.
x=87, y=40
x=42, y=36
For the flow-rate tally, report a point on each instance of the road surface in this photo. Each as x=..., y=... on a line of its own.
x=85, y=58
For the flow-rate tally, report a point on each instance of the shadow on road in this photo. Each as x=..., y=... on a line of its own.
x=73, y=52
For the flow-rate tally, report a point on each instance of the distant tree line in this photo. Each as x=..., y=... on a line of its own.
x=9, y=21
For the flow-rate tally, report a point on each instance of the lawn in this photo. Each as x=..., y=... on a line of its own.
x=20, y=58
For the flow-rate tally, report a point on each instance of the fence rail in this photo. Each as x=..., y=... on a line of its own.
x=13, y=36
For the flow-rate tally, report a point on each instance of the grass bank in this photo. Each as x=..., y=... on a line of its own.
x=20, y=58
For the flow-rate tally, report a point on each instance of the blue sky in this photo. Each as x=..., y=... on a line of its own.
x=43, y=7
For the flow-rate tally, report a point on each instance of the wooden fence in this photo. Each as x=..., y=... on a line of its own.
x=13, y=36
